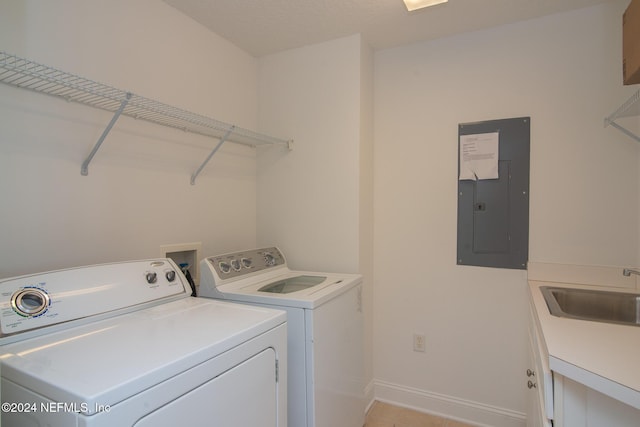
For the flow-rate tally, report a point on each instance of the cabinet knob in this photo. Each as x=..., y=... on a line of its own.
x=531, y=384
x=530, y=373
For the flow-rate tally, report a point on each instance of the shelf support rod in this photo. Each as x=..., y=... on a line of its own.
x=622, y=129
x=85, y=165
x=197, y=172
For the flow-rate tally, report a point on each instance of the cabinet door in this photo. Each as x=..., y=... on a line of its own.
x=536, y=416
x=577, y=405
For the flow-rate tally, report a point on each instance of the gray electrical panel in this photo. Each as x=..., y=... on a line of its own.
x=493, y=213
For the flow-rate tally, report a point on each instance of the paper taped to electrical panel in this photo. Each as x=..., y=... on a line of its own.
x=479, y=156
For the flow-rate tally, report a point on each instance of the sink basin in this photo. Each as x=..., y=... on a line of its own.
x=600, y=306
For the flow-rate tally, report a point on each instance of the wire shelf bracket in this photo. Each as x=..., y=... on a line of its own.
x=84, y=170
x=26, y=74
x=222, y=140
x=629, y=109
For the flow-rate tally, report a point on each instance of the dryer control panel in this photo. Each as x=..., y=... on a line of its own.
x=35, y=302
x=240, y=264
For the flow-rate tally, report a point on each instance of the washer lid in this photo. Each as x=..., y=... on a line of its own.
x=293, y=284
x=261, y=276
x=301, y=292
x=108, y=361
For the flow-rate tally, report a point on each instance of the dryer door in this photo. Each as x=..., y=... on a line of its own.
x=245, y=395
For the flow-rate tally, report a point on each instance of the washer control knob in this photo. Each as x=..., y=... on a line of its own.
x=236, y=264
x=269, y=259
x=30, y=301
x=151, y=277
x=224, y=267
x=246, y=262
x=171, y=275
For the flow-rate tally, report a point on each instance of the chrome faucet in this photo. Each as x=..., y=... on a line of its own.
x=627, y=272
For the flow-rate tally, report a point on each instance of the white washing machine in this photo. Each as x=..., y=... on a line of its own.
x=124, y=344
x=324, y=324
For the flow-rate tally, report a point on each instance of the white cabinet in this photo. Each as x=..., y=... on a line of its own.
x=576, y=405
x=558, y=401
x=539, y=382
x=535, y=407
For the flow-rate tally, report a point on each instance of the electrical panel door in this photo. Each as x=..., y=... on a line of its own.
x=493, y=214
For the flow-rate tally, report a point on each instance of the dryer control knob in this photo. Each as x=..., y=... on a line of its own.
x=151, y=277
x=170, y=275
x=30, y=301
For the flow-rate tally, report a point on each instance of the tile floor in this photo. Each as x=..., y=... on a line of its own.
x=385, y=415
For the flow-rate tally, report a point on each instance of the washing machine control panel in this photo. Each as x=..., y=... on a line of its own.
x=238, y=264
x=34, y=302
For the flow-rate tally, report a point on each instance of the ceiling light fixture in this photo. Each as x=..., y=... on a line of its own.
x=419, y=4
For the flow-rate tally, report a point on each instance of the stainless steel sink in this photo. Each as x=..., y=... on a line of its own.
x=600, y=306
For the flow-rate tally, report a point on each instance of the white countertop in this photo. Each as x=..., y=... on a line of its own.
x=602, y=356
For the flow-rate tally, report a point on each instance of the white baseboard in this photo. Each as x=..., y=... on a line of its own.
x=467, y=411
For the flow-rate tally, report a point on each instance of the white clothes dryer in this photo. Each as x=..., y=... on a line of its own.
x=124, y=345
x=324, y=324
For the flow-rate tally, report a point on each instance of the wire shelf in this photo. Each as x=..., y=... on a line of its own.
x=40, y=78
x=630, y=108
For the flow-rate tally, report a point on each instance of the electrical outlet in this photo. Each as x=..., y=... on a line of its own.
x=419, y=343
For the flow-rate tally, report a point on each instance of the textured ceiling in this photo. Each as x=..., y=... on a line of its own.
x=262, y=27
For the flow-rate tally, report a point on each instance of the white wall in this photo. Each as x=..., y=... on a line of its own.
x=366, y=218
x=564, y=71
x=137, y=195
x=316, y=202
x=308, y=199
